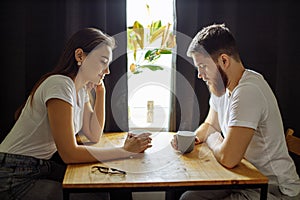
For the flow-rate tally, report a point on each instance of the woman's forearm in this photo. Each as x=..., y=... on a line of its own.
x=98, y=116
x=86, y=154
x=133, y=145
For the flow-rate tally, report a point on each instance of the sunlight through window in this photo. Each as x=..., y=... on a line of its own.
x=150, y=50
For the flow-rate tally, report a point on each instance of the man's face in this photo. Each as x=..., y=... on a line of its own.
x=211, y=73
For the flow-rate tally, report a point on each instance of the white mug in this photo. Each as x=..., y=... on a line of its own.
x=185, y=141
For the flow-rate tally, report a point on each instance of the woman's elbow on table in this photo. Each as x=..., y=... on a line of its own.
x=70, y=153
x=93, y=136
x=67, y=158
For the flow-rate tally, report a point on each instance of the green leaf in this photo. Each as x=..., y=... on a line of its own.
x=130, y=39
x=152, y=67
x=152, y=55
x=154, y=26
x=156, y=34
x=137, y=72
x=165, y=51
x=139, y=32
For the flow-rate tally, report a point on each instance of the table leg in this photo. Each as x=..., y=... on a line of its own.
x=264, y=192
x=124, y=195
x=173, y=194
x=66, y=194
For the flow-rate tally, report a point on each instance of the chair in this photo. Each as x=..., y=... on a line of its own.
x=293, y=142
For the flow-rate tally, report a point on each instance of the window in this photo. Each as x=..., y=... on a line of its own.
x=149, y=78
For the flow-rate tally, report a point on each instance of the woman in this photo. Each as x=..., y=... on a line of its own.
x=57, y=109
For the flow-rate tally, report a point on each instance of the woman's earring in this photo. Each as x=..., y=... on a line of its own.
x=78, y=63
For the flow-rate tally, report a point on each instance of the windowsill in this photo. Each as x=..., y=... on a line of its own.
x=138, y=119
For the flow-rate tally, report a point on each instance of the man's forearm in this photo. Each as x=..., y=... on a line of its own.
x=204, y=130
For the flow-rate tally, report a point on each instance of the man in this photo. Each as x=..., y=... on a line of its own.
x=244, y=120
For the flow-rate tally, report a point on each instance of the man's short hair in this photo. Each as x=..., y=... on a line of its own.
x=214, y=40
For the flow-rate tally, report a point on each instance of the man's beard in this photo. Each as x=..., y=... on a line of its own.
x=220, y=84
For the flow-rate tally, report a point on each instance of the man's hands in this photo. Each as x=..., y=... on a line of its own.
x=174, y=142
x=214, y=139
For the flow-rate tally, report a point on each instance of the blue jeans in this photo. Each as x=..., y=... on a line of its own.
x=246, y=194
x=18, y=174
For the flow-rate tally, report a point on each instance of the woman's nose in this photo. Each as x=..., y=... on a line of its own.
x=106, y=71
x=200, y=74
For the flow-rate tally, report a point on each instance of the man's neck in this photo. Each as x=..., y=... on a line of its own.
x=235, y=76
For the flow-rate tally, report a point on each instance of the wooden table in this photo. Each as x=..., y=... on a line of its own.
x=161, y=168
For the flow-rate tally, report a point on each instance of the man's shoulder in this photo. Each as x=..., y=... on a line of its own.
x=251, y=79
x=251, y=76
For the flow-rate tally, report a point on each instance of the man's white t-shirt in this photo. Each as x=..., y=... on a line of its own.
x=252, y=104
x=31, y=134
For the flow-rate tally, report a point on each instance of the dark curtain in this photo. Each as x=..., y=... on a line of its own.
x=268, y=39
x=109, y=16
x=33, y=34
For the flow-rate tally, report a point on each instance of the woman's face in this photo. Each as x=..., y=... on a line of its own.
x=96, y=64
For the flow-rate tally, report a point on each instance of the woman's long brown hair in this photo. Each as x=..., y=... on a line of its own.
x=87, y=39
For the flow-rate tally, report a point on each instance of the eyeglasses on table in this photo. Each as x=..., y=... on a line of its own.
x=108, y=170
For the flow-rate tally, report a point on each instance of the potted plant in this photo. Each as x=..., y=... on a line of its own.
x=148, y=44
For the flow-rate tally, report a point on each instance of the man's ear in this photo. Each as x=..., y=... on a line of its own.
x=224, y=60
x=79, y=55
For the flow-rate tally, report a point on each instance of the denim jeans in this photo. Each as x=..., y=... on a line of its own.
x=18, y=174
x=246, y=194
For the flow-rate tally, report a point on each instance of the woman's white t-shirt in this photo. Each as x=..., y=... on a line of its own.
x=31, y=134
x=252, y=104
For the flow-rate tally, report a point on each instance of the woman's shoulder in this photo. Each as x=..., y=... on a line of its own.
x=58, y=86
x=58, y=83
x=57, y=78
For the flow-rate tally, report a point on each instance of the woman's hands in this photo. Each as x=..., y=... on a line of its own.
x=98, y=87
x=137, y=143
